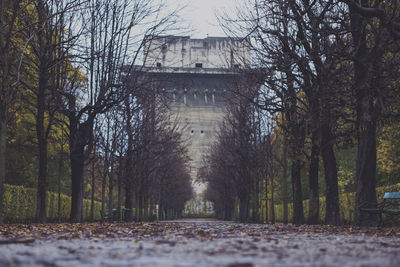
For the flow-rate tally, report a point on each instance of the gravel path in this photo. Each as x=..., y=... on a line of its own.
x=200, y=243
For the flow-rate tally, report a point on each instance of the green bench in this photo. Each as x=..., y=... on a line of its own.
x=390, y=206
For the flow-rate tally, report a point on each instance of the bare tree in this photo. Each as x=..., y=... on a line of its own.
x=108, y=44
x=45, y=57
x=295, y=43
x=237, y=159
x=374, y=27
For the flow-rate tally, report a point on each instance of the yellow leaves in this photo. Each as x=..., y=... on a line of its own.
x=388, y=149
x=88, y=188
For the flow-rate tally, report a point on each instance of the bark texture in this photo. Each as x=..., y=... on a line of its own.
x=332, y=214
x=366, y=118
x=298, y=211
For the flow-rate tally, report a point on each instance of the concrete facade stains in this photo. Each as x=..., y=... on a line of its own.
x=197, y=75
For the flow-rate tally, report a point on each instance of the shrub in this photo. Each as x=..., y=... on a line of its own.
x=20, y=205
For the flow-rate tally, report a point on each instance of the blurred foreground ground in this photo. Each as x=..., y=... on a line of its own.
x=197, y=243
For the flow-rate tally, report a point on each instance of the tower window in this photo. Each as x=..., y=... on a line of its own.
x=158, y=65
x=192, y=131
x=202, y=131
x=199, y=65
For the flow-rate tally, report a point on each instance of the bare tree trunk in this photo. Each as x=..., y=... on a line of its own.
x=244, y=208
x=366, y=161
x=3, y=131
x=40, y=128
x=298, y=212
x=119, y=188
x=263, y=189
x=137, y=207
x=140, y=217
x=77, y=165
x=272, y=199
x=106, y=171
x=266, y=200
x=128, y=199
x=110, y=188
x=366, y=121
x=285, y=183
x=313, y=213
x=256, y=206
x=120, y=184
x=42, y=174
x=332, y=214
x=60, y=167
x=81, y=144
x=93, y=189
x=145, y=209
x=103, y=194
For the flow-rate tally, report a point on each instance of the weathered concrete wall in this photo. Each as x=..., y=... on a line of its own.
x=184, y=52
x=200, y=126
x=197, y=94
x=197, y=100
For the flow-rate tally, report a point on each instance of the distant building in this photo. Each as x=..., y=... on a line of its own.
x=209, y=53
x=197, y=75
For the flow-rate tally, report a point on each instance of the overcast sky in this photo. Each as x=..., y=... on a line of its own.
x=200, y=14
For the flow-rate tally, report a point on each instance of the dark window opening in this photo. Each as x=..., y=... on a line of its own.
x=192, y=131
x=199, y=65
x=202, y=131
x=236, y=66
x=158, y=65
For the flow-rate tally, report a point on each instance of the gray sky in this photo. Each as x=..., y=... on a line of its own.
x=200, y=14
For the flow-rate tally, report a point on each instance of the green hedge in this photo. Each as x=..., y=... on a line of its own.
x=346, y=203
x=20, y=205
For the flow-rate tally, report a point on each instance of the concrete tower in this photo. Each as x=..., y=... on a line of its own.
x=197, y=74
